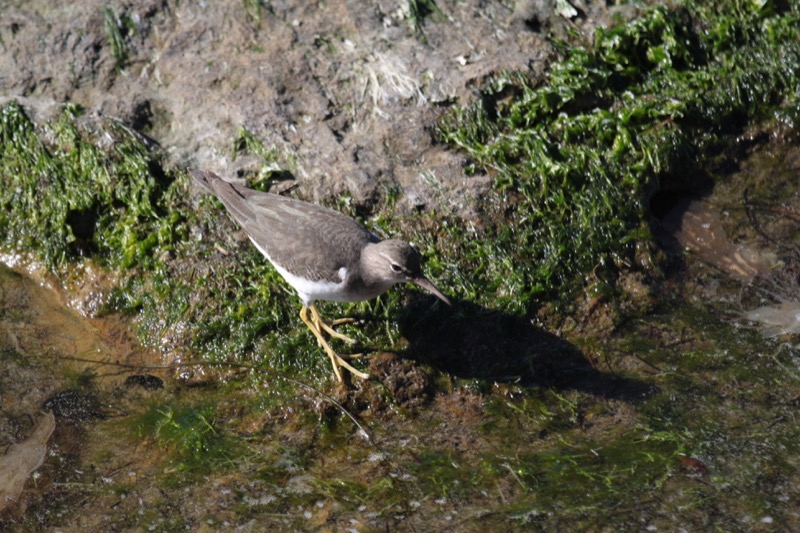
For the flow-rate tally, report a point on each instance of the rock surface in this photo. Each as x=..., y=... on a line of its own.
x=346, y=92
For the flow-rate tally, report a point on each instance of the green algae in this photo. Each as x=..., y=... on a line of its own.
x=190, y=433
x=575, y=155
x=117, y=27
x=65, y=197
x=419, y=11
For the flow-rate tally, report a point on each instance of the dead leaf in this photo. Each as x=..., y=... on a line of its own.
x=22, y=459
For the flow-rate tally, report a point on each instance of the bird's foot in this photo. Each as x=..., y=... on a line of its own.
x=339, y=361
x=328, y=328
x=333, y=333
x=352, y=356
x=317, y=326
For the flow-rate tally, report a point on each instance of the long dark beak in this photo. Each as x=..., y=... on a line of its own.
x=423, y=282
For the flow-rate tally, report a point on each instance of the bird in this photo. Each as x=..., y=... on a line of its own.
x=323, y=254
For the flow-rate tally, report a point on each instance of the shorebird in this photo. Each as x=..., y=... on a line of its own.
x=323, y=254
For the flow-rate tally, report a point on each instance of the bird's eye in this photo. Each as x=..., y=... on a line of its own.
x=396, y=268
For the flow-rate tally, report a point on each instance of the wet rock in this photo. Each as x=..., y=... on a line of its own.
x=146, y=381
x=697, y=226
x=408, y=384
x=74, y=405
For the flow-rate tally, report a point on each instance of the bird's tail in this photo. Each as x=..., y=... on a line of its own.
x=204, y=178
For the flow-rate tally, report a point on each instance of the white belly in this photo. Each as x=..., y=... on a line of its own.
x=310, y=291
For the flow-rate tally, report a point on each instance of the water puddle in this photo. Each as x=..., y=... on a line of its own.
x=697, y=226
x=709, y=441
x=52, y=392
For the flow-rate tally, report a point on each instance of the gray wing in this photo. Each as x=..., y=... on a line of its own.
x=304, y=238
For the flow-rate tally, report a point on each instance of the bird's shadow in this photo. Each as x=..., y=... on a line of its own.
x=470, y=341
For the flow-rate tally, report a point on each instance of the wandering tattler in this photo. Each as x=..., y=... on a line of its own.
x=323, y=254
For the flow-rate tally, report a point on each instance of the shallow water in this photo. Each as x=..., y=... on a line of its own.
x=683, y=418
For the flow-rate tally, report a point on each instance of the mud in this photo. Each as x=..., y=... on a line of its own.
x=347, y=92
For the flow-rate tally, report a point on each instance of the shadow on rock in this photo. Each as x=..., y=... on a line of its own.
x=470, y=341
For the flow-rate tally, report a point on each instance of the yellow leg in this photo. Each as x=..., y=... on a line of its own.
x=329, y=329
x=316, y=325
